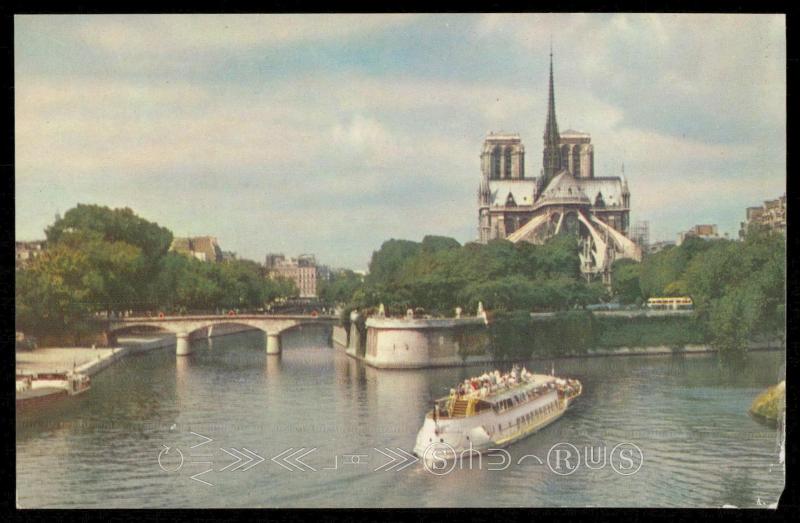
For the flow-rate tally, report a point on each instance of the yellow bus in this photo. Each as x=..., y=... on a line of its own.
x=670, y=303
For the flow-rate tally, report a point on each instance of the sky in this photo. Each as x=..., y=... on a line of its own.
x=329, y=134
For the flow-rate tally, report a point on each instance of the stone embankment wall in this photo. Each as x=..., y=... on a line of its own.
x=397, y=343
x=416, y=343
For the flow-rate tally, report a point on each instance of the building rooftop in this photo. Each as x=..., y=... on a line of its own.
x=502, y=135
x=564, y=187
x=573, y=133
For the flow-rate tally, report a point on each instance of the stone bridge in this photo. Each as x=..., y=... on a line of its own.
x=184, y=326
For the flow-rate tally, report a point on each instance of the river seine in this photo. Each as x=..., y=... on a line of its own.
x=161, y=431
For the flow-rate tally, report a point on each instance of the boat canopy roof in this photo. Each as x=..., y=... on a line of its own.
x=537, y=381
x=505, y=392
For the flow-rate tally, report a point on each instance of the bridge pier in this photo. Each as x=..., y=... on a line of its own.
x=182, y=347
x=273, y=343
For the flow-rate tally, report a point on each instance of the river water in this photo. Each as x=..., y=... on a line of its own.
x=152, y=422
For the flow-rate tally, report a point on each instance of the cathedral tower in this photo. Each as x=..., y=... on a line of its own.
x=551, y=161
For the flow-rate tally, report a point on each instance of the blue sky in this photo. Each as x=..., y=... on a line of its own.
x=329, y=134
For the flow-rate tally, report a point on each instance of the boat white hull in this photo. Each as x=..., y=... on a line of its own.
x=448, y=439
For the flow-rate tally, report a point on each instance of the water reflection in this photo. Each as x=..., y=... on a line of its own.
x=687, y=414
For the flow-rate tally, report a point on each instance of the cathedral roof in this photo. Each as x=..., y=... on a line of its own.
x=573, y=132
x=521, y=190
x=564, y=188
x=609, y=187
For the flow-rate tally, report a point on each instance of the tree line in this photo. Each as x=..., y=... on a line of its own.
x=106, y=260
x=737, y=287
x=438, y=274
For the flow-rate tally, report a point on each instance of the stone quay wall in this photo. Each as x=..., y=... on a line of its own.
x=396, y=343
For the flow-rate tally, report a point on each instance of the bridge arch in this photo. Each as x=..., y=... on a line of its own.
x=184, y=326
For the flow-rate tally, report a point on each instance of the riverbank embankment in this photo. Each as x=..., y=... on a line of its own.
x=90, y=361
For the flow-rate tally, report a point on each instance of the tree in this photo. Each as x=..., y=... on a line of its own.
x=732, y=321
x=51, y=296
x=625, y=280
x=340, y=288
x=712, y=272
x=113, y=225
x=433, y=244
x=279, y=287
x=559, y=256
x=387, y=262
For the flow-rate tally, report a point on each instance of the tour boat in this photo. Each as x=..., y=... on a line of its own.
x=37, y=390
x=492, y=411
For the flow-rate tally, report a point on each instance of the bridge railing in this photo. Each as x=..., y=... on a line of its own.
x=157, y=313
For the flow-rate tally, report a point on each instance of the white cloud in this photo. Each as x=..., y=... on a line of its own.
x=180, y=33
x=145, y=111
x=367, y=139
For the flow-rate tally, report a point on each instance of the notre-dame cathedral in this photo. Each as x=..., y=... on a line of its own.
x=566, y=197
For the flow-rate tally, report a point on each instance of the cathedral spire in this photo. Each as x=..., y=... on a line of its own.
x=551, y=161
x=551, y=136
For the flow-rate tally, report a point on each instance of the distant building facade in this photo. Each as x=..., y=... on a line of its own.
x=26, y=252
x=204, y=248
x=566, y=197
x=772, y=216
x=324, y=272
x=301, y=270
x=704, y=232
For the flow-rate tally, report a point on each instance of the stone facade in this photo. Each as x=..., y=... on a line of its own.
x=703, y=231
x=301, y=270
x=566, y=197
x=417, y=343
x=577, y=153
x=772, y=215
x=204, y=248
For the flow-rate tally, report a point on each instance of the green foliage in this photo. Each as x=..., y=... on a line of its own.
x=510, y=334
x=52, y=295
x=625, y=280
x=515, y=335
x=732, y=320
x=99, y=259
x=434, y=244
x=340, y=288
x=186, y=283
x=387, y=262
x=112, y=225
x=649, y=332
x=569, y=332
x=439, y=275
x=738, y=288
